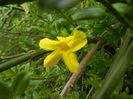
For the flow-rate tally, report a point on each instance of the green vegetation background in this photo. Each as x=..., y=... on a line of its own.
x=22, y=27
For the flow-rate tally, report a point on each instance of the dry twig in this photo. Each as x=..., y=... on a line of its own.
x=74, y=78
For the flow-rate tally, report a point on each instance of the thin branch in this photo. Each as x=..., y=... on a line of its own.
x=67, y=18
x=89, y=93
x=12, y=56
x=117, y=14
x=18, y=8
x=74, y=78
x=22, y=34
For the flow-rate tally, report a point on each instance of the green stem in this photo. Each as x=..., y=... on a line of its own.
x=18, y=60
x=119, y=54
x=13, y=56
x=117, y=14
x=117, y=71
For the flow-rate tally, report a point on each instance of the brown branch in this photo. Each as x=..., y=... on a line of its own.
x=89, y=93
x=74, y=78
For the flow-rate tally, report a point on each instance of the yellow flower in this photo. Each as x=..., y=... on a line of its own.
x=64, y=48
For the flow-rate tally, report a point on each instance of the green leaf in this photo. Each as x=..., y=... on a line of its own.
x=56, y=4
x=120, y=7
x=20, y=83
x=56, y=96
x=66, y=3
x=88, y=13
x=5, y=91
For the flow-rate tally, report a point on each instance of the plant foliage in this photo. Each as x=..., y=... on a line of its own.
x=23, y=23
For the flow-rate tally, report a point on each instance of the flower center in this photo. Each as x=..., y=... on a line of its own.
x=63, y=46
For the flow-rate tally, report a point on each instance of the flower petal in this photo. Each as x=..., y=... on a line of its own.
x=66, y=39
x=52, y=59
x=70, y=59
x=79, y=40
x=48, y=44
